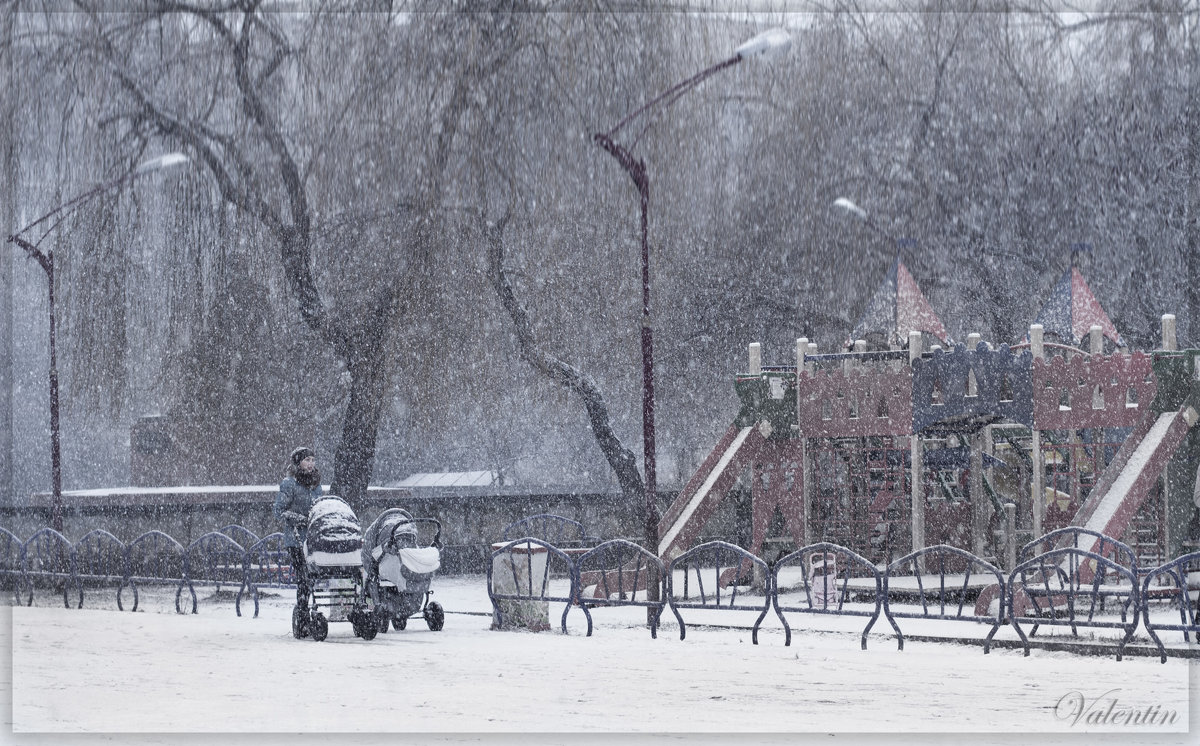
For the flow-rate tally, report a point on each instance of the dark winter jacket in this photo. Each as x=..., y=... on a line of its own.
x=291, y=509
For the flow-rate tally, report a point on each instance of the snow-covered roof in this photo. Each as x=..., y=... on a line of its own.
x=449, y=479
x=186, y=495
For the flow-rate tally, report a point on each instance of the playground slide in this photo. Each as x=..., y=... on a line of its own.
x=1139, y=462
x=1122, y=489
x=704, y=491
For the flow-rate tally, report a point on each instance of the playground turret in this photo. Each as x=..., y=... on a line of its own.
x=1177, y=373
x=768, y=395
x=961, y=389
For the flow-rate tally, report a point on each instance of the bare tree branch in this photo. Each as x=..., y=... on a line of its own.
x=620, y=459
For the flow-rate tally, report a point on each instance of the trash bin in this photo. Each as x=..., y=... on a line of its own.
x=520, y=571
x=823, y=579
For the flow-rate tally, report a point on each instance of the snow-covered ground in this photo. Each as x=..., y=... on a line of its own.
x=98, y=675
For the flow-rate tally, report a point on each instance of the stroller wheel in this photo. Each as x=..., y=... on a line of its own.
x=364, y=625
x=435, y=616
x=299, y=624
x=318, y=627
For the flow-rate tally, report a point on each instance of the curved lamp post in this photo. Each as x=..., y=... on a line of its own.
x=45, y=260
x=767, y=44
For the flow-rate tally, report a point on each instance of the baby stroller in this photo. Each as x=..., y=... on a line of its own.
x=398, y=570
x=333, y=560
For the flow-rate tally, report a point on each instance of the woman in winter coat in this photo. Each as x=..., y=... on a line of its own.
x=297, y=493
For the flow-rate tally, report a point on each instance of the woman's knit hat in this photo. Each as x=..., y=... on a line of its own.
x=300, y=454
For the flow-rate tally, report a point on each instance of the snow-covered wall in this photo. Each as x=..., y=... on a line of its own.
x=471, y=519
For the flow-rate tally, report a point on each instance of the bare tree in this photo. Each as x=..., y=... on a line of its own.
x=8, y=213
x=253, y=92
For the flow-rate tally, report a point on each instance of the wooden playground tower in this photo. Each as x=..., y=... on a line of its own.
x=1010, y=443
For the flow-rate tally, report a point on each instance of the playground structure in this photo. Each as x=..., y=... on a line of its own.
x=1010, y=443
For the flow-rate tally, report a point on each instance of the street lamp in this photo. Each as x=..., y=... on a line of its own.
x=842, y=203
x=45, y=260
x=767, y=44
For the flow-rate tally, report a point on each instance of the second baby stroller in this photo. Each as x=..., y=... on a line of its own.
x=333, y=561
x=399, y=570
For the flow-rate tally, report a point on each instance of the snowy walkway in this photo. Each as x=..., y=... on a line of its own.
x=103, y=671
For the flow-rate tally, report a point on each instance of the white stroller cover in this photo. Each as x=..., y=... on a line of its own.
x=421, y=561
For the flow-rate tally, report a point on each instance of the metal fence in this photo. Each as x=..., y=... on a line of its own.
x=941, y=588
x=1061, y=585
x=233, y=557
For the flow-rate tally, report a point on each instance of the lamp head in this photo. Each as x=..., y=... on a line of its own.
x=767, y=44
x=159, y=163
x=849, y=206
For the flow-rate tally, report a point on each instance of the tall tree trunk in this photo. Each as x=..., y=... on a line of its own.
x=366, y=362
x=1192, y=197
x=8, y=213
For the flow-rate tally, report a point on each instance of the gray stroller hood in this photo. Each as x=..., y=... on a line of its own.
x=390, y=546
